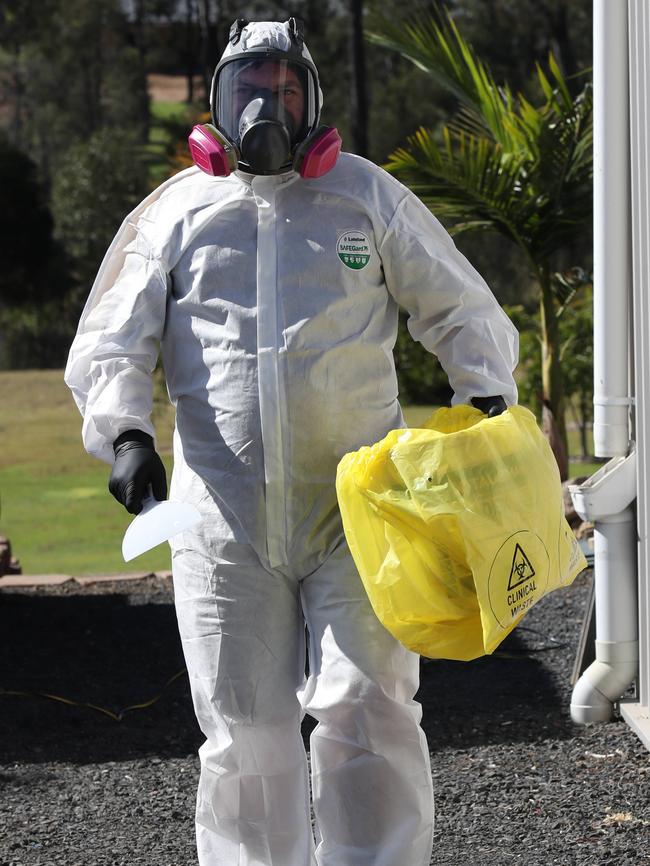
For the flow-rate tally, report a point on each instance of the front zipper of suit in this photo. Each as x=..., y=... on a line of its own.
x=272, y=402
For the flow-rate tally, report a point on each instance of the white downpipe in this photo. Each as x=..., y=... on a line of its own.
x=607, y=496
x=617, y=646
x=612, y=246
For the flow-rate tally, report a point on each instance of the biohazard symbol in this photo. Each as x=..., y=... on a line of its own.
x=521, y=570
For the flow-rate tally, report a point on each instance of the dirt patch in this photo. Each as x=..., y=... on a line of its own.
x=171, y=88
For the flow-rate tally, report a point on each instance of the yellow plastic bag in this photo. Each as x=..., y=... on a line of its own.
x=457, y=529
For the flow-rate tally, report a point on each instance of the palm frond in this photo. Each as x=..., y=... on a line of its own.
x=438, y=48
x=470, y=226
x=466, y=180
x=561, y=91
x=524, y=169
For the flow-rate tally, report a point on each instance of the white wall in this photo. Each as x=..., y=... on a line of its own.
x=638, y=715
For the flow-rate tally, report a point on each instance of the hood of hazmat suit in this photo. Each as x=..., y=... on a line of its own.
x=265, y=97
x=275, y=298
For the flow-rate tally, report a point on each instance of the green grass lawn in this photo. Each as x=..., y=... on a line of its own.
x=55, y=506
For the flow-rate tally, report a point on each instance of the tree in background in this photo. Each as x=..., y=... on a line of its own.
x=97, y=183
x=73, y=80
x=34, y=274
x=70, y=69
x=576, y=351
x=503, y=164
x=32, y=261
x=512, y=37
x=67, y=70
x=359, y=102
x=574, y=290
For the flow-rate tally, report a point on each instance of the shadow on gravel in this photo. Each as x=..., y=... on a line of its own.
x=96, y=649
x=112, y=652
x=493, y=700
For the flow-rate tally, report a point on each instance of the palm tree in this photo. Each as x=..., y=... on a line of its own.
x=503, y=164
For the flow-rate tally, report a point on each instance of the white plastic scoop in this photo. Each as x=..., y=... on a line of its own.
x=157, y=522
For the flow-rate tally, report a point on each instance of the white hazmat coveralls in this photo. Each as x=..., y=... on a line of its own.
x=276, y=300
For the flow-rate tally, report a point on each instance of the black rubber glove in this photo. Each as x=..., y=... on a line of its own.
x=491, y=406
x=136, y=467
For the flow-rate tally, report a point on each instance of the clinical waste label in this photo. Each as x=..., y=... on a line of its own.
x=353, y=249
x=518, y=576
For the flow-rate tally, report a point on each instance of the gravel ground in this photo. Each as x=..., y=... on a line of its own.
x=516, y=782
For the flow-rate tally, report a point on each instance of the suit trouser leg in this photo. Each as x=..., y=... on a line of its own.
x=242, y=633
x=371, y=775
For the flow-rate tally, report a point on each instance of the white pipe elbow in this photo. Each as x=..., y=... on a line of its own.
x=604, y=681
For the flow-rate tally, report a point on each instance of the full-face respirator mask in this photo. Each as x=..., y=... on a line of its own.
x=265, y=103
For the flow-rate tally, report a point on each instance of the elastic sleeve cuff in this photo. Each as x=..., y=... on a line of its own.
x=133, y=436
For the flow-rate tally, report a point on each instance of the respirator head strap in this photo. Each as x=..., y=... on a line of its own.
x=296, y=29
x=236, y=30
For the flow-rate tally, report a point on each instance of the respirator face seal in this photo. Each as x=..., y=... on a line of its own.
x=265, y=105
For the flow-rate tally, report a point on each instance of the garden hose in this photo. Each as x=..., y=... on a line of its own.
x=115, y=716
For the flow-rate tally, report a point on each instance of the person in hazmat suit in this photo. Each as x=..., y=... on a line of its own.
x=271, y=277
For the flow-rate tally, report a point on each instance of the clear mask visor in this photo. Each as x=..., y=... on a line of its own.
x=287, y=89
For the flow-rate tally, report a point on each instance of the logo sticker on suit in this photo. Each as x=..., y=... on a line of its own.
x=353, y=249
